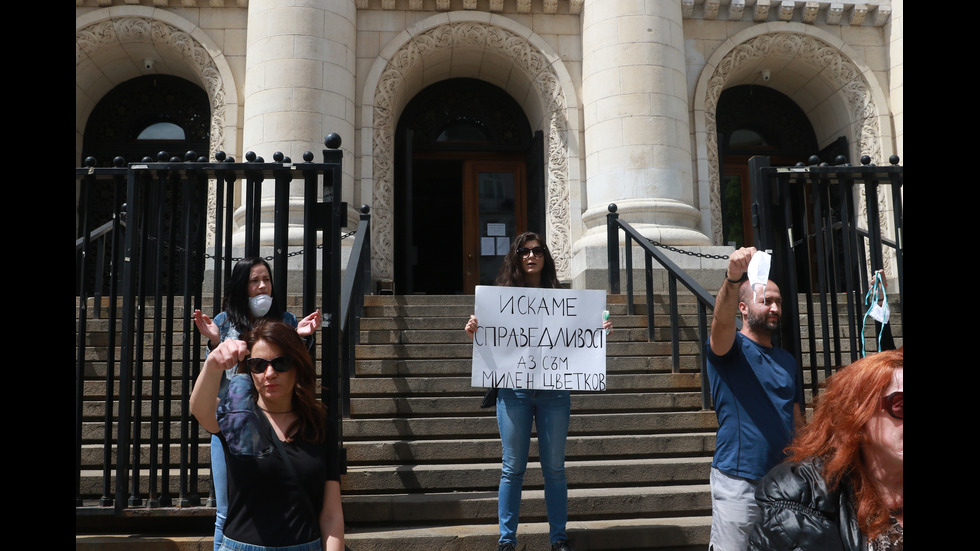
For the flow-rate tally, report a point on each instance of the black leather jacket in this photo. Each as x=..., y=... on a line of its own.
x=799, y=511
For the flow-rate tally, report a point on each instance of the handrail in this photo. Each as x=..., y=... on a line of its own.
x=674, y=273
x=100, y=236
x=98, y=232
x=357, y=282
x=358, y=269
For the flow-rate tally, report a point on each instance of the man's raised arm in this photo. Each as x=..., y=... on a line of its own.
x=726, y=303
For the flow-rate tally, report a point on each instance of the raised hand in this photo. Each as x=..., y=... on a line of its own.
x=207, y=328
x=226, y=355
x=308, y=325
x=738, y=263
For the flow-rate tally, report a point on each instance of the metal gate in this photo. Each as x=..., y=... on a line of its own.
x=831, y=228
x=147, y=266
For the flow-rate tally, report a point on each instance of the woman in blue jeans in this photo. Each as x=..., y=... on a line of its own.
x=530, y=264
x=248, y=298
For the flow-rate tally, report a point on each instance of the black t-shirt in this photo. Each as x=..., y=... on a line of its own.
x=266, y=505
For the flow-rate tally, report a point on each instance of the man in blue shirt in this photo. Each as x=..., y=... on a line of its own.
x=755, y=388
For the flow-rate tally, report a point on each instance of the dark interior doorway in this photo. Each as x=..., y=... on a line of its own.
x=141, y=118
x=437, y=196
x=468, y=178
x=146, y=115
x=755, y=120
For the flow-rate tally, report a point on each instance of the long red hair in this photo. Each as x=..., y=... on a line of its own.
x=836, y=433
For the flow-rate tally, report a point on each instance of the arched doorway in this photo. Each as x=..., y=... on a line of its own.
x=140, y=118
x=468, y=178
x=755, y=120
x=146, y=115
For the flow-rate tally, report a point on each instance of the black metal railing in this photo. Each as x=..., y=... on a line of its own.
x=825, y=250
x=675, y=274
x=824, y=225
x=357, y=278
x=149, y=268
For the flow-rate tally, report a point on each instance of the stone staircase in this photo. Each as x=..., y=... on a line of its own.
x=424, y=459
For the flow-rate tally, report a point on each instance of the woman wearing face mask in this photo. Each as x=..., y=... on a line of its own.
x=248, y=298
x=282, y=457
x=530, y=264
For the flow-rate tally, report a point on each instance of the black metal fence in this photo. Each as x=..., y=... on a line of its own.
x=143, y=271
x=829, y=236
x=824, y=226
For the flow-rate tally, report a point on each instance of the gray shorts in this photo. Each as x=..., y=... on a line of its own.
x=734, y=511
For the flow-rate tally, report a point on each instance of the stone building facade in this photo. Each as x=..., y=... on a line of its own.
x=620, y=101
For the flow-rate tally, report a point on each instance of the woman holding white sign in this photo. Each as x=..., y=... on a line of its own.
x=529, y=264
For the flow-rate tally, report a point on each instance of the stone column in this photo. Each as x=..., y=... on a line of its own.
x=637, y=130
x=299, y=86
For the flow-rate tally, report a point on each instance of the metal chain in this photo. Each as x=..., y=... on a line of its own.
x=653, y=242
x=288, y=255
x=689, y=253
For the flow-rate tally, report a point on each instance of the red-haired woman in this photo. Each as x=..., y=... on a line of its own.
x=842, y=487
x=282, y=458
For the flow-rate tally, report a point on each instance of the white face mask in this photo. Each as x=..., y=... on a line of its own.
x=259, y=305
x=758, y=273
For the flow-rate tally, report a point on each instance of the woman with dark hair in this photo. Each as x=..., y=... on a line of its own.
x=248, y=298
x=283, y=467
x=530, y=264
x=842, y=487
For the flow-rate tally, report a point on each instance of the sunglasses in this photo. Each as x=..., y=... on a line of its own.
x=893, y=404
x=281, y=364
x=538, y=251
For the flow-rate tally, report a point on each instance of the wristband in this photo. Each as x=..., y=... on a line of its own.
x=739, y=280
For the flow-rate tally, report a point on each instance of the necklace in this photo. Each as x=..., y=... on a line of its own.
x=274, y=412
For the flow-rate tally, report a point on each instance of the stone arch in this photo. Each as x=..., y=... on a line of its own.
x=478, y=45
x=177, y=46
x=180, y=48
x=854, y=97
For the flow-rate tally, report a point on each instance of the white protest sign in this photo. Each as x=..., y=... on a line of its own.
x=544, y=339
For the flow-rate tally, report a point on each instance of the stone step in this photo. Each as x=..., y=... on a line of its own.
x=364, y=408
x=379, y=453
x=441, y=428
x=583, y=504
x=624, y=534
x=91, y=482
x=629, y=534
x=467, y=478
x=464, y=427
x=477, y=477
x=578, y=447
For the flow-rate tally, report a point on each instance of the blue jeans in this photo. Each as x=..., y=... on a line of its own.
x=550, y=410
x=219, y=477
x=229, y=544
